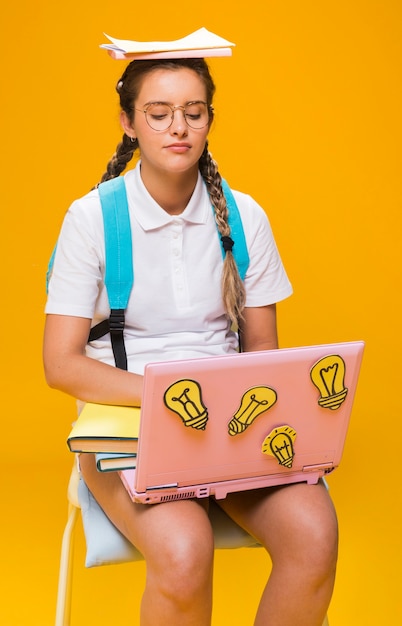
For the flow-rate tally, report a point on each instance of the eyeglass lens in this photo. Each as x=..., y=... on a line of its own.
x=160, y=115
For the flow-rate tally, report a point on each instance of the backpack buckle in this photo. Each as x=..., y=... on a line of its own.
x=116, y=328
x=116, y=320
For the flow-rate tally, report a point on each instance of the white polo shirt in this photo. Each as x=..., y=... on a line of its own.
x=175, y=309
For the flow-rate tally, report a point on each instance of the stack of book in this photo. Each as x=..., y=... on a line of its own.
x=110, y=432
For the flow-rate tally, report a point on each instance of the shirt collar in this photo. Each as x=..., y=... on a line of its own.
x=150, y=214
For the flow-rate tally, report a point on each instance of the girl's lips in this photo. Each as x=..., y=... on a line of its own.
x=178, y=147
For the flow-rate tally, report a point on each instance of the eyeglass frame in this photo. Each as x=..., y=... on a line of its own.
x=210, y=110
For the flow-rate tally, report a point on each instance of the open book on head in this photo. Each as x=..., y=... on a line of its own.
x=201, y=43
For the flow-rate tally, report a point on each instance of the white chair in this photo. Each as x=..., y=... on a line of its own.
x=106, y=545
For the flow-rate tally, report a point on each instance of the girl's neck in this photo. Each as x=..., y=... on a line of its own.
x=171, y=191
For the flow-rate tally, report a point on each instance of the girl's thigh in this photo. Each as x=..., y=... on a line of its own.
x=160, y=531
x=287, y=520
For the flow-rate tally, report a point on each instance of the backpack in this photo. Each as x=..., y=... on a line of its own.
x=119, y=271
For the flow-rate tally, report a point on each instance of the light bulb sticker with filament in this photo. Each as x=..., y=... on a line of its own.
x=184, y=398
x=254, y=402
x=328, y=375
x=279, y=443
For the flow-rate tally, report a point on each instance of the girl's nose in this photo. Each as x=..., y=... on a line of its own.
x=179, y=125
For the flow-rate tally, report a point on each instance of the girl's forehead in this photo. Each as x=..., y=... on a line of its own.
x=165, y=84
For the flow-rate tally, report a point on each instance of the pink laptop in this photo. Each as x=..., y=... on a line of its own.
x=215, y=425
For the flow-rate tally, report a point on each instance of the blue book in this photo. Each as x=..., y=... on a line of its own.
x=115, y=461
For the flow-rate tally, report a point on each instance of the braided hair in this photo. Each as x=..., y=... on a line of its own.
x=128, y=87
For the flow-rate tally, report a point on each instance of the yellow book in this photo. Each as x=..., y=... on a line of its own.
x=105, y=428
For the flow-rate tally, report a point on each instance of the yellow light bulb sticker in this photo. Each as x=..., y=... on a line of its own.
x=184, y=398
x=328, y=375
x=254, y=402
x=279, y=444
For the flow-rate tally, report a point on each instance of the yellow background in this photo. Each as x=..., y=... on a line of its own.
x=309, y=122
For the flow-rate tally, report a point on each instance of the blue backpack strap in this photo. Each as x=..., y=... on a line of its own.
x=119, y=272
x=50, y=268
x=119, y=276
x=240, y=251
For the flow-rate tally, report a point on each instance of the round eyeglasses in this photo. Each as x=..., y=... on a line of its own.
x=160, y=115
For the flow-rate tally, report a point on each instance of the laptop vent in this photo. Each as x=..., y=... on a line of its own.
x=178, y=496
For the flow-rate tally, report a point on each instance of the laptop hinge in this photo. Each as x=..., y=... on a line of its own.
x=157, y=487
x=183, y=492
x=320, y=467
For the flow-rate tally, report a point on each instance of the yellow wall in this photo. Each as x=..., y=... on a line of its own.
x=309, y=122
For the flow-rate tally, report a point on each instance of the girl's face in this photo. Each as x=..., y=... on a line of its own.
x=177, y=149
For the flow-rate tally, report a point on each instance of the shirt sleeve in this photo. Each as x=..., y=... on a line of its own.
x=74, y=284
x=266, y=281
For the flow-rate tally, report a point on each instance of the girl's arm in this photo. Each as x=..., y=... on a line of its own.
x=258, y=328
x=68, y=369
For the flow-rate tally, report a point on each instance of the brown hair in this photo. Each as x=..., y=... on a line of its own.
x=128, y=87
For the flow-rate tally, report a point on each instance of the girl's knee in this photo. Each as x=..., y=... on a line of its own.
x=307, y=531
x=183, y=566
x=183, y=582
x=317, y=544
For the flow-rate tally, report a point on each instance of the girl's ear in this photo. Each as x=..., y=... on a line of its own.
x=126, y=124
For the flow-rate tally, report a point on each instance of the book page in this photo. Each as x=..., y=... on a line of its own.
x=200, y=39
